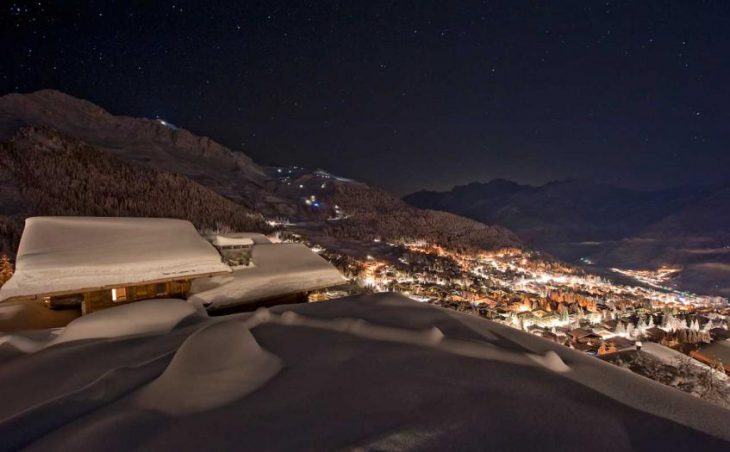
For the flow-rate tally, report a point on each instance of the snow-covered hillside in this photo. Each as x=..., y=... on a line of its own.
x=375, y=372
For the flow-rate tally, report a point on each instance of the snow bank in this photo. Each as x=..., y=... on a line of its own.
x=134, y=319
x=216, y=365
x=279, y=269
x=61, y=254
x=432, y=337
x=367, y=372
x=142, y=317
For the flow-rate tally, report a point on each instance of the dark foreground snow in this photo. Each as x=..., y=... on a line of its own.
x=378, y=372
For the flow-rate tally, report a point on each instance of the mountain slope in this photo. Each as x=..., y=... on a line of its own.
x=378, y=214
x=44, y=172
x=145, y=143
x=573, y=210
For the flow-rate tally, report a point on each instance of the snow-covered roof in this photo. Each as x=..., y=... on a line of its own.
x=223, y=241
x=279, y=269
x=719, y=350
x=256, y=237
x=66, y=254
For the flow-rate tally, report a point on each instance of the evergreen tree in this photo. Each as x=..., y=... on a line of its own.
x=630, y=330
x=6, y=269
x=682, y=336
x=695, y=325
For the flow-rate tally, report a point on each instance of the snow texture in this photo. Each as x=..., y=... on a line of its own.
x=221, y=240
x=143, y=317
x=256, y=237
x=672, y=357
x=140, y=318
x=278, y=269
x=370, y=372
x=208, y=380
x=64, y=254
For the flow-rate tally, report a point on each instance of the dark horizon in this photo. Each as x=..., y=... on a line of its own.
x=409, y=96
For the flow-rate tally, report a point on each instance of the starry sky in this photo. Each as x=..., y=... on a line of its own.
x=410, y=94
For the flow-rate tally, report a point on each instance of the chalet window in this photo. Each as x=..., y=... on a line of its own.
x=142, y=291
x=161, y=289
x=119, y=294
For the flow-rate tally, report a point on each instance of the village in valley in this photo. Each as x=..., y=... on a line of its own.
x=618, y=319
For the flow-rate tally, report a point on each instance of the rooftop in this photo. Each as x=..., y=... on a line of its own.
x=67, y=254
x=278, y=269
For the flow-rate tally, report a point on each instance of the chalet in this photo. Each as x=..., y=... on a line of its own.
x=583, y=339
x=579, y=334
x=95, y=263
x=603, y=332
x=621, y=343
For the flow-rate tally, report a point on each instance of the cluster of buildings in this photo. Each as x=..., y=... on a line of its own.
x=561, y=303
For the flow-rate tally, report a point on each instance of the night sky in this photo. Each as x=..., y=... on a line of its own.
x=406, y=95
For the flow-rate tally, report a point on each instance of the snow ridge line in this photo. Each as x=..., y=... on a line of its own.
x=48, y=416
x=432, y=337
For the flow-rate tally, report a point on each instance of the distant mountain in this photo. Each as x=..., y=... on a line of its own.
x=574, y=210
x=54, y=130
x=610, y=225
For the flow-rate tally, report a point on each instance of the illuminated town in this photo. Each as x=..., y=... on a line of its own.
x=565, y=304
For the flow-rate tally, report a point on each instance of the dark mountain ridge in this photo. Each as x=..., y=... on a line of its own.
x=78, y=176
x=581, y=209
x=142, y=141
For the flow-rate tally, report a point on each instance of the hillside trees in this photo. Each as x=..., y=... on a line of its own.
x=58, y=175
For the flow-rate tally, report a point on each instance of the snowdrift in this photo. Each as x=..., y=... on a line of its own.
x=373, y=372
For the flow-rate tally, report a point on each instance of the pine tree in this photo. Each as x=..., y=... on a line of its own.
x=6, y=269
x=695, y=325
x=682, y=336
x=630, y=330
